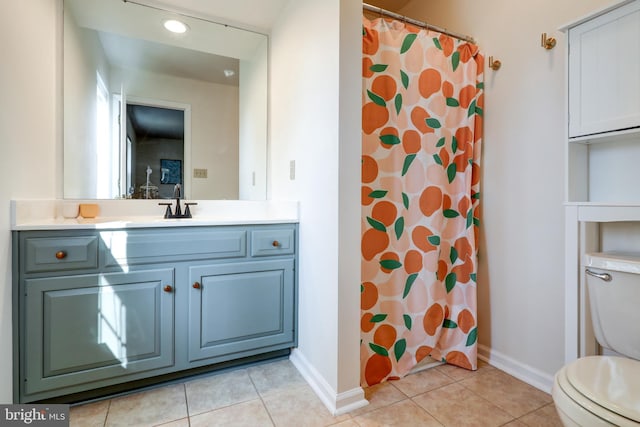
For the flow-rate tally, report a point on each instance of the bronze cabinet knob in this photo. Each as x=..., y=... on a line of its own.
x=168, y=288
x=61, y=254
x=196, y=285
x=275, y=244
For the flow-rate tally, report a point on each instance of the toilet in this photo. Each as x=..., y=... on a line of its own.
x=605, y=390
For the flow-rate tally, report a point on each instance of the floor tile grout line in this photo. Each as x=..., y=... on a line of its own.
x=229, y=405
x=221, y=408
x=438, y=420
x=264, y=405
x=454, y=379
x=186, y=403
x=106, y=416
x=532, y=411
x=460, y=382
x=513, y=418
x=498, y=405
x=426, y=391
x=406, y=398
x=410, y=398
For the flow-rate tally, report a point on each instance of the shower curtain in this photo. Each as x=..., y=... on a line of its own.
x=421, y=135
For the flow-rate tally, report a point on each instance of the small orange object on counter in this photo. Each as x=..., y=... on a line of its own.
x=89, y=210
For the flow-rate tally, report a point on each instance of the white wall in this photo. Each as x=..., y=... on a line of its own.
x=315, y=121
x=253, y=120
x=83, y=57
x=521, y=289
x=31, y=160
x=349, y=195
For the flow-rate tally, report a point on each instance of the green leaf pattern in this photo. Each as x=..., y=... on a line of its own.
x=401, y=214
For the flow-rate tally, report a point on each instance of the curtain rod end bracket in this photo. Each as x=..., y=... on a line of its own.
x=547, y=42
x=494, y=64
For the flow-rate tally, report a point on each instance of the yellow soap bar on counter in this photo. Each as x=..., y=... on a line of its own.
x=89, y=210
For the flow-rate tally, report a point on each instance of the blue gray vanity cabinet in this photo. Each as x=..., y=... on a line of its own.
x=91, y=327
x=98, y=309
x=240, y=307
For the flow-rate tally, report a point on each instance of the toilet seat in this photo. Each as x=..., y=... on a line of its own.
x=600, y=390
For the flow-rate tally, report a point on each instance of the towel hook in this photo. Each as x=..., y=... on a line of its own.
x=494, y=65
x=547, y=43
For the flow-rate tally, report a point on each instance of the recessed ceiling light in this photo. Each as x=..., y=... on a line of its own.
x=176, y=26
x=229, y=73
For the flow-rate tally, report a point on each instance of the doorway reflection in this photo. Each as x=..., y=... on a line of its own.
x=155, y=149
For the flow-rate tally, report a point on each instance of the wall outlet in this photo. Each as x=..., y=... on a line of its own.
x=199, y=173
x=292, y=170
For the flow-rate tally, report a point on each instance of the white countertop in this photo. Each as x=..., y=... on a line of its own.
x=122, y=214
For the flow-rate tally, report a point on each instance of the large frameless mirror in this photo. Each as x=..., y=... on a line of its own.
x=146, y=108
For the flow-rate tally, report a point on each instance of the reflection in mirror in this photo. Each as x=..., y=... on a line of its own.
x=187, y=107
x=155, y=136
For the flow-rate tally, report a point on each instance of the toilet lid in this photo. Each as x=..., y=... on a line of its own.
x=610, y=382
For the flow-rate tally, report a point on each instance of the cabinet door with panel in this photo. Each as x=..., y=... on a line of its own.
x=604, y=65
x=89, y=328
x=241, y=308
x=96, y=309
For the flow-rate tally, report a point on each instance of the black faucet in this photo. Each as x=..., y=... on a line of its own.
x=176, y=195
x=178, y=210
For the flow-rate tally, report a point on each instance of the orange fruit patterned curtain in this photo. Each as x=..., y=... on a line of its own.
x=422, y=109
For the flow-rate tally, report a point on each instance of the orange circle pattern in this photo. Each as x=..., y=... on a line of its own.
x=422, y=131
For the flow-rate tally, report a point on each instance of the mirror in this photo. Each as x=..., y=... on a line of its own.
x=145, y=109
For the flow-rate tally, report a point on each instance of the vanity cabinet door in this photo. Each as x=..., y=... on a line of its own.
x=604, y=65
x=241, y=309
x=96, y=329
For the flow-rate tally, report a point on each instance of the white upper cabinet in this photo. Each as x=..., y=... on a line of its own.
x=604, y=72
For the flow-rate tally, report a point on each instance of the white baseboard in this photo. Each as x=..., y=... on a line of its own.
x=521, y=371
x=337, y=403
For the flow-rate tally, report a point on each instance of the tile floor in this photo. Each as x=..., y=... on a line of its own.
x=274, y=394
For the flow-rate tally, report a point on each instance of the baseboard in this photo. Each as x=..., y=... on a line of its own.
x=337, y=403
x=521, y=371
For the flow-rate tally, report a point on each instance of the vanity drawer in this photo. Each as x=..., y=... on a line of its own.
x=60, y=253
x=272, y=241
x=147, y=246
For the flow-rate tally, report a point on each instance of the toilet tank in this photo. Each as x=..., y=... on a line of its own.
x=613, y=283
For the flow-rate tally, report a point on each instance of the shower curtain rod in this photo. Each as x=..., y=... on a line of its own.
x=393, y=15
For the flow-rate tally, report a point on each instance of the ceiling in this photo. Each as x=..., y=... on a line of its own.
x=170, y=60
x=259, y=15
x=154, y=122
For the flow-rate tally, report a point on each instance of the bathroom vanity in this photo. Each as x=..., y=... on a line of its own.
x=100, y=306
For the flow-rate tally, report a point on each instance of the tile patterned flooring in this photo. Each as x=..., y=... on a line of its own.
x=274, y=394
